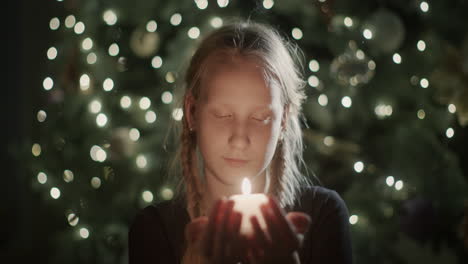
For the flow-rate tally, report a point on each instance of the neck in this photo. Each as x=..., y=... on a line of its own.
x=215, y=189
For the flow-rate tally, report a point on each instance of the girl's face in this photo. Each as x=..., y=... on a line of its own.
x=238, y=117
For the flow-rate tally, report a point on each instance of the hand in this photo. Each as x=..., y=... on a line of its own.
x=281, y=239
x=217, y=237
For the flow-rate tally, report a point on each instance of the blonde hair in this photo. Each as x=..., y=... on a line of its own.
x=282, y=69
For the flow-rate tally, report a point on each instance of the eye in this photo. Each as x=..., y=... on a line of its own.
x=264, y=119
x=222, y=115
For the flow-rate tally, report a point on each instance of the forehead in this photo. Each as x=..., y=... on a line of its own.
x=237, y=80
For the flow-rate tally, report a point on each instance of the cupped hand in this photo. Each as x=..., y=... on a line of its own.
x=217, y=237
x=280, y=242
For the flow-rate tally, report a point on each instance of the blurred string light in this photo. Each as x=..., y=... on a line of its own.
x=134, y=134
x=421, y=45
x=223, y=3
x=141, y=161
x=70, y=21
x=42, y=177
x=390, y=180
x=144, y=103
x=421, y=114
x=383, y=110
x=151, y=26
x=167, y=193
x=55, y=192
x=359, y=166
x=193, y=32
x=109, y=17
x=268, y=4
x=346, y=101
x=166, y=97
x=48, y=83
x=95, y=106
x=450, y=132
x=201, y=4
x=313, y=81
x=54, y=23
x=176, y=19
x=170, y=77
x=108, y=85
x=216, y=22
x=91, y=58
x=41, y=116
x=95, y=182
x=414, y=80
x=84, y=233
x=297, y=33
x=177, y=114
x=396, y=58
x=114, y=49
x=348, y=22
x=150, y=117
x=314, y=66
x=125, y=102
x=156, y=62
x=399, y=185
x=36, y=150
x=452, y=108
x=52, y=53
x=360, y=54
x=353, y=219
x=101, y=120
x=97, y=154
x=68, y=176
x=73, y=219
x=367, y=33
x=424, y=83
x=322, y=100
x=87, y=44
x=147, y=196
x=328, y=141
x=424, y=6
x=84, y=82
x=79, y=28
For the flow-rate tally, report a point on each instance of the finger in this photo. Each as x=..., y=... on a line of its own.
x=300, y=221
x=211, y=229
x=281, y=225
x=234, y=234
x=253, y=257
x=220, y=245
x=195, y=228
x=259, y=235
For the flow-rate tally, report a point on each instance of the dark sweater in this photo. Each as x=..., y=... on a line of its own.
x=157, y=233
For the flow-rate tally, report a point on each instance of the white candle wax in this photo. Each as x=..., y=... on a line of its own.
x=249, y=205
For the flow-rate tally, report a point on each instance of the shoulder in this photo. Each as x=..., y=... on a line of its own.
x=155, y=211
x=154, y=234
x=317, y=199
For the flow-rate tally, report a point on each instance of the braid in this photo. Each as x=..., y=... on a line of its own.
x=190, y=175
x=278, y=177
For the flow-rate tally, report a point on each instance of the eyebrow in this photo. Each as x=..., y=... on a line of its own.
x=255, y=108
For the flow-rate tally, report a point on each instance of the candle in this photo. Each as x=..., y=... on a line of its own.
x=249, y=205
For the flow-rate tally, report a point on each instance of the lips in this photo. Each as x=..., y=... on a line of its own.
x=236, y=162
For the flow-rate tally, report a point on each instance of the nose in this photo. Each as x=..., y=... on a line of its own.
x=239, y=137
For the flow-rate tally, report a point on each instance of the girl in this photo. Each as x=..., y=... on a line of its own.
x=242, y=104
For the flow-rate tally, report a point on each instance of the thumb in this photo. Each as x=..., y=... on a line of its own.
x=194, y=229
x=300, y=221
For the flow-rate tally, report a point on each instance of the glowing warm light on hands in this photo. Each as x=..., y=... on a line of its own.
x=249, y=205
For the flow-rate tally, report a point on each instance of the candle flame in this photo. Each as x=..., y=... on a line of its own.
x=246, y=186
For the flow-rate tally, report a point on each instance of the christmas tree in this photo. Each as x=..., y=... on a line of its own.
x=386, y=116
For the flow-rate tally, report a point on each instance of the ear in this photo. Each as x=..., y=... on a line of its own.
x=189, y=110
